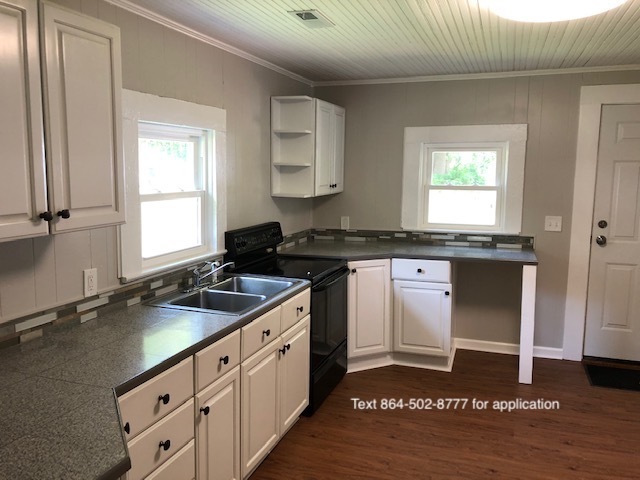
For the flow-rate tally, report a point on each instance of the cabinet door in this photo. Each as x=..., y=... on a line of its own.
x=369, y=308
x=260, y=406
x=324, y=147
x=22, y=183
x=82, y=84
x=218, y=429
x=294, y=374
x=337, y=168
x=422, y=317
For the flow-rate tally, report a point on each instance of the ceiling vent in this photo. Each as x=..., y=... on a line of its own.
x=312, y=18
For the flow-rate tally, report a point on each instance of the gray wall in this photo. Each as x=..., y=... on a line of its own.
x=45, y=272
x=376, y=117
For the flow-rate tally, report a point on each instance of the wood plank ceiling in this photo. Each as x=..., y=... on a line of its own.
x=390, y=39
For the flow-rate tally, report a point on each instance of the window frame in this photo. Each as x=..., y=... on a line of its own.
x=170, y=116
x=501, y=150
x=417, y=143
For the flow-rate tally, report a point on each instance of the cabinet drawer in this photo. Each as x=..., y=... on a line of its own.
x=145, y=404
x=182, y=466
x=217, y=359
x=174, y=431
x=421, y=270
x=262, y=331
x=295, y=309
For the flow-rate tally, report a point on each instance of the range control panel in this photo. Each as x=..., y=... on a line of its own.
x=249, y=239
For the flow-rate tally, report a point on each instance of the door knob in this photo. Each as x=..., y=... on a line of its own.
x=601, y=240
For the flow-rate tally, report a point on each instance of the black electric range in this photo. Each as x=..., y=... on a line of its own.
x=254, y=250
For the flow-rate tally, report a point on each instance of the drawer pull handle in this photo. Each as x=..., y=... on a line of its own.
x=225, y=359
x=300, y=309
x=205, y=410
x=127, y=428
x=419, y=270
x=284, y=349
x=266, y=332
x=46, y=216
x=166, y=445
x=164, y=398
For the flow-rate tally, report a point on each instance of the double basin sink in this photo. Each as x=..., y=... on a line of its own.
x=231, y=296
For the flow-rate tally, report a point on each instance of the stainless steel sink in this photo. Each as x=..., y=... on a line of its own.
x=222, y=301
x=231, y=296
x=252, y=285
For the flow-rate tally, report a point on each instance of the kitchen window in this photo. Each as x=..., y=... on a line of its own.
x=174, y=156
x=464, y=178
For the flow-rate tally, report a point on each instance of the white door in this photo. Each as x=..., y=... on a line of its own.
x=369, y=304
x=294, y=374
x=82, y=84
x=218, y=429
x=613, y=306
x=22, y=182
x=260, y=416
x=422, y=317
x=324, y=147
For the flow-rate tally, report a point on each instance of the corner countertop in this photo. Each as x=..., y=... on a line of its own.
x=58, y=408
x=368, y=250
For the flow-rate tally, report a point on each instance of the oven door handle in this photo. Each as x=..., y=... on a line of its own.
x=335, y=278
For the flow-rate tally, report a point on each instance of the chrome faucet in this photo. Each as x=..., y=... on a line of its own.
x=198, y=276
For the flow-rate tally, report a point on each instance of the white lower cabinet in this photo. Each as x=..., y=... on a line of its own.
x=369, y=301
x=422, y=317
x=240, y=410
x=181, y=466
x=422, y=306
x=275, y=390
x=161, y=441
x=218, y=429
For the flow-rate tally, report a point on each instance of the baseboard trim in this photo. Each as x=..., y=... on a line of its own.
x=505, y=348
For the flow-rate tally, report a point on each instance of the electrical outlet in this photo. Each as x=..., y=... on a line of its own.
x=90, y=282
x=344, y=223
x=553, y=224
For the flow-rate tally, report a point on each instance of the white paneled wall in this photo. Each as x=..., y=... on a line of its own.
x=47, y=271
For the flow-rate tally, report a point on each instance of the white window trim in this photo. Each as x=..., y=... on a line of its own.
x=143, y=107
x=418, y=140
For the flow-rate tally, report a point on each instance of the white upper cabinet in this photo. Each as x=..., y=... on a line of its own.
x=81, y=83
x=22, y=183
x=307, y=147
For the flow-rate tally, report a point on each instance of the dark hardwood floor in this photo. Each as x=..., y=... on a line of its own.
x=595, y=433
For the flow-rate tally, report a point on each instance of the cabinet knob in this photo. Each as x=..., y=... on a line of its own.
x=166, y=445
x=164, y=398
x=447, y=293
x=46, y=216
x=205, y=410
x=602, y=224
x=64, y=213
x=127, y=428
x=225, y=360
x=282, y=350
x=419, y=270
x=266, y=332
x=353, y=270
x=285, y=348
x=300, y=309
x=288, y=346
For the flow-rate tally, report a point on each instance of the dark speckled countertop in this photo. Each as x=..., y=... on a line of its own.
x=353, y=250
x=58, y=410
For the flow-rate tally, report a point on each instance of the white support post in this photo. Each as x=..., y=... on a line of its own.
x=527, y=322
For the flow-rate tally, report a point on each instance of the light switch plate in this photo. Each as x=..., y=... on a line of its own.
x=552, y=224
x=90, y=282
x=344, y=223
